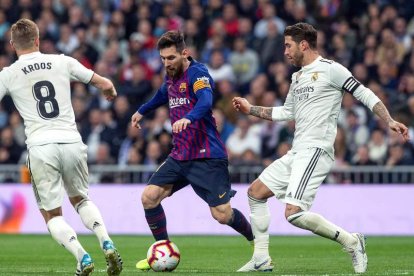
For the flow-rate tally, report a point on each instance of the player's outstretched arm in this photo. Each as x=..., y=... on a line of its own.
x=105, y=85
x=381, y=111
x=243, y=105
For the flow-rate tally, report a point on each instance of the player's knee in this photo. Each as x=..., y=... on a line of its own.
x=221, y=217
x=291, y=210
x=150, y=198
x=258, y=190
x=222, y=213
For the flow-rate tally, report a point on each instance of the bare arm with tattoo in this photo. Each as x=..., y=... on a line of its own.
x=261, y=112
x=381, y=111
x=243, y=105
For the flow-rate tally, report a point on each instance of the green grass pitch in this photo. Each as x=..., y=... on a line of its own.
x=210, y=255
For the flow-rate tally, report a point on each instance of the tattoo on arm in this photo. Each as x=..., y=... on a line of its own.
x=261, y=112
x=381, y=111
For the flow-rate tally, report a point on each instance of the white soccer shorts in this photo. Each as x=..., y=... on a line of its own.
x=295, y=177
x=53, y=166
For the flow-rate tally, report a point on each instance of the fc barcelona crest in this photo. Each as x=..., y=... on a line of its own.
x=183, y=87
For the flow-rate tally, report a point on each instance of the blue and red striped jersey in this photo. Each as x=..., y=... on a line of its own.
x=201, y=138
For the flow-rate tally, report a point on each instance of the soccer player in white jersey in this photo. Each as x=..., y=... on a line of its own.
x=314, y=102
x=39, y=85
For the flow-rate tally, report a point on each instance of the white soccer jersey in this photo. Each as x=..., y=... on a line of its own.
x=314, y=102
x=39, y=85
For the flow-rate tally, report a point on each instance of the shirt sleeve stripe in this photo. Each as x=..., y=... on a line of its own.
x=350, y=85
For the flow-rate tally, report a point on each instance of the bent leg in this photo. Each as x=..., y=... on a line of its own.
x=154, y=213
x=224, y=214
x=319, y=225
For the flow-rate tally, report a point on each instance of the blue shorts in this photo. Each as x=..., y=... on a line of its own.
x=209, y=178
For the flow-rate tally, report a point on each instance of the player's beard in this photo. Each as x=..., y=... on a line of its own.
x=175, y=73
x=297, y=58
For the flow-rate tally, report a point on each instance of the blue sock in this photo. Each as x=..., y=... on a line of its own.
x=241, y=225
x=157, y=222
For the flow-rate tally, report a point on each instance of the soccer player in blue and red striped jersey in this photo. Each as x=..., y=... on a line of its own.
x=199, y=157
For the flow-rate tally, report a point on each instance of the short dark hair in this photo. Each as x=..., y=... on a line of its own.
x=172, y=38
x=302, y=31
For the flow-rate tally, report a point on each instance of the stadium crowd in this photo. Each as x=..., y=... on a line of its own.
x=242, y=43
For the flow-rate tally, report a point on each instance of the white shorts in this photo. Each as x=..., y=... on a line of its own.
x=53, y=166
x=295, y=177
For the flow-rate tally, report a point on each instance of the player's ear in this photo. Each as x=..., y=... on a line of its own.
x=185, y=53
x=304, y=45
x=37, y=42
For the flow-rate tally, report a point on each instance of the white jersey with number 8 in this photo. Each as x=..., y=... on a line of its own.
x=39, y=85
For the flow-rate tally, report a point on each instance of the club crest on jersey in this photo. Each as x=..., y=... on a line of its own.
x=183, y=87
x=314, y=76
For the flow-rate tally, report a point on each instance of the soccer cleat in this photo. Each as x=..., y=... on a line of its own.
x=85, y=267
x=265, y=265
x=113, y=259
x=143, y=265
x=358, y=254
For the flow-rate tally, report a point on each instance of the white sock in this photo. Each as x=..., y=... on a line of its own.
x=65, y=236
x=322, y=227
x=92, y=219
x=260, y=220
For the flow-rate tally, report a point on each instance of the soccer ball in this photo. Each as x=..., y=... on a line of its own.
x=163, y=256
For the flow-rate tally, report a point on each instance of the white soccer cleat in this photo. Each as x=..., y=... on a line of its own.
x=264, y=265
x=358, y=254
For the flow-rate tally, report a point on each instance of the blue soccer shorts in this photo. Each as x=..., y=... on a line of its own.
x=209, y=178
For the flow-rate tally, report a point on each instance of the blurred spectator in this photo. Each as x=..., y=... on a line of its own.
x=219, y=69
x=362, y=157
x=96, y=133
x=224, y=127
x=270, y=46
x=378, y=147
x=357, y=134
x=396, y=156
x=245, y=63
x=10, y=150
x=261, y=29
x=242, y=139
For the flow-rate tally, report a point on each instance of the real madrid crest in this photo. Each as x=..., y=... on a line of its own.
x=314, y=76
x=183, y=87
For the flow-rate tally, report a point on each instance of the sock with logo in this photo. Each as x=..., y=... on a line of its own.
x=322, y=227
x=63, y=234
x=239, y=223
x=92, y=219
x=260, y=220
x=157, y=222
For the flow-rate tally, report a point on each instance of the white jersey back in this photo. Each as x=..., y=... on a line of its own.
x=314, y=102
x=39, y=85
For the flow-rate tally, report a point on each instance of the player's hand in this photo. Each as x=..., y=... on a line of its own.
x=241, y=104
x=110, y=94
x=399, y=128
x=180, y=125
x=135, y=119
